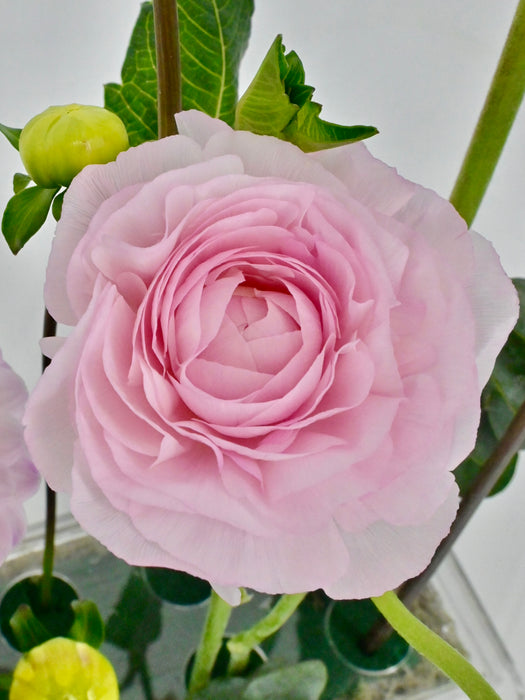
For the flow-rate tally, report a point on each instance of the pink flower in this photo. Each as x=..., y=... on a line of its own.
x=18, y=477
x=277, y=360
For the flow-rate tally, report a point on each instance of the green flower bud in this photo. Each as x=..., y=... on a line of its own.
x=62, y=668
x=56, y=144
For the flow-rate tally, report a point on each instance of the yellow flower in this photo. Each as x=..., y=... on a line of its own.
x=56, y=144
x=62, y=669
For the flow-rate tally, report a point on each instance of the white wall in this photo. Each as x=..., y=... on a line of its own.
x=416, y=69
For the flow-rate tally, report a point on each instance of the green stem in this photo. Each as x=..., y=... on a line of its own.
x=431, y=646
x=495, y=121
x=211, y=641
x=169, y=93
x=241, y=646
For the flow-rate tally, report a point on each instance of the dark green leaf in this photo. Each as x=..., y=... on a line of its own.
x=56, y=618
x=135, y=622
x=304, y=681
x=56, y=209
x=177, y=586
x=88, y=626
x=213, y=38
x=20, y=182
x=25, y=214
x=278, y=103
x=5, y=683
x=500, y=401
x=11, y=134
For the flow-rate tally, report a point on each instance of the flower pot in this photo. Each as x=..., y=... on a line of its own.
x=150, y=641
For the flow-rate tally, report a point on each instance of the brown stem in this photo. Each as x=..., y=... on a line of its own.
x=510, y=443
x=50, y=328
x=169, y=94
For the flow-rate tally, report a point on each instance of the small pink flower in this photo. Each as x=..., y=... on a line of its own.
x=277, y=360
x=18, y=477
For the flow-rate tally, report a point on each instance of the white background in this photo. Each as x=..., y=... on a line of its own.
x=416, y=69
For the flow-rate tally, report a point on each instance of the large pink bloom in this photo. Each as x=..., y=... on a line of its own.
x=18, y=477
x=277, y=360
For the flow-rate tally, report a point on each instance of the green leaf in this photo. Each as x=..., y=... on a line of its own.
x=501, y=398
x=304, y=681
x=177, y=587
x=20, y=182
x=135, y=100
x=223, y=689
x=135, y=622
x=213, y=38
x=88, y=625
x=11, y=134
x=25, y=214
x=56, y=619
x=278, y=103
x=56, y=209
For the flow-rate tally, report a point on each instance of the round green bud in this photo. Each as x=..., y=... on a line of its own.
x=56, y=144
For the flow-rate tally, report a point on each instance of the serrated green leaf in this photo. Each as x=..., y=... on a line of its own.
x=20, y=182
x=25, y=214
x=135, y=100
x=213, y=38
x=11, y=134
x=278, y=103
x=88, y=625
x=501, y=398
x=304, y=681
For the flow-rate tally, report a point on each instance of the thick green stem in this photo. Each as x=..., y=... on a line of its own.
x=169, y=95
x=241, y=646
x=431, y=646
x=211, y=641
x=494, y=124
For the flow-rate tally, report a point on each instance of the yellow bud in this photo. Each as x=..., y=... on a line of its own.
x=62, y=669
x=56, y=144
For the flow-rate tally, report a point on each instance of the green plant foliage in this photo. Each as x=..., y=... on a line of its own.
x=304, y=681
x=213, y=38
x=177, y=587
x=501, y=398
x=278, y=103
x=88, y=625
x=11, y=134
x=33, y=621
x=135, y=100
x=20, y=182
x=25, y=214
x=56, y=209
